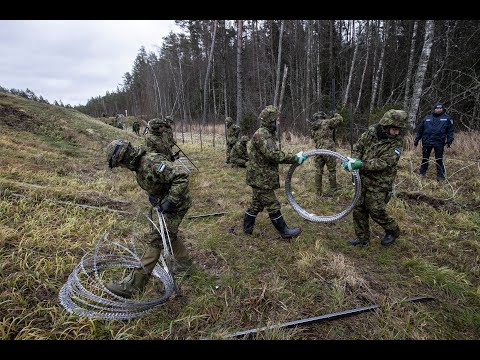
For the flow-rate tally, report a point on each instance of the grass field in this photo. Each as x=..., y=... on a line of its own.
x=57, y=196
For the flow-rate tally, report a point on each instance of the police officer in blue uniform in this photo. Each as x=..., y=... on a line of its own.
x=435, y=131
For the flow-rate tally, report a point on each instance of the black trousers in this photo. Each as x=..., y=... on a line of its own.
x=426, y=151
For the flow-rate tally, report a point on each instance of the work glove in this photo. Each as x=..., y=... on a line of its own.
x=415, y=143
x=300, y=157
x=352, y=164
x=175, y=156
x=166, y=207
x=153, y=200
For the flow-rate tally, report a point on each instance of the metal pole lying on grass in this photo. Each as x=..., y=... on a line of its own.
x=204, y=215
x=315, y=319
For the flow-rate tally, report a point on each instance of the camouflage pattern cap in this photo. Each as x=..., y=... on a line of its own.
x=319, y=116
x=395, y=118
x=116, y=151
x=268, y=115
x=157, y=123
x=169, y=119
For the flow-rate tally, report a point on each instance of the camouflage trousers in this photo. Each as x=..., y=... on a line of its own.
x=155, y=242
x=320, y=162
x=228, y=151
x=238, y=162
x=373, y=204
x=263, y=199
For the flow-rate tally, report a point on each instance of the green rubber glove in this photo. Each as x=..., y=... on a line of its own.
x=300, y=157
x=352, y=164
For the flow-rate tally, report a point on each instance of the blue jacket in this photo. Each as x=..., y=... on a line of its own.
x=436, y=129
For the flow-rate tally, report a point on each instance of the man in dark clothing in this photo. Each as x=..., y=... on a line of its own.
x=436, y=130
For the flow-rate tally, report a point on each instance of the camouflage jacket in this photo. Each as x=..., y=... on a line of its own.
x=380, y=155
x=239, y=151
x=264, y=157
x=158, y=143
x=322, y=132
x=233, y=132
x=169, y=137
x=164, y=179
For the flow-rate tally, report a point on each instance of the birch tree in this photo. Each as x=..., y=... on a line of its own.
x=367, y=45
x=239, y=70
x=307, y=73
x=352, y=66
x=379, y=69
x=410, y=67
x=207, y=75
x=279, y=61
x=421, y=70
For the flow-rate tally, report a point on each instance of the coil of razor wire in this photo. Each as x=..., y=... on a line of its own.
x=318, y=218
x=85, y=294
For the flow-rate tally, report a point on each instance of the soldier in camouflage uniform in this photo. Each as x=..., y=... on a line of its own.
x=322, y=133
x=118, y=122
x=239, y=155
x=232, y=132
x=376, y=154
x=262, y=173
x=159, y=139
x=168, y=191
x=136, y=127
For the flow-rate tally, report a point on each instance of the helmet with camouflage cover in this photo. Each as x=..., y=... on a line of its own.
x=116, y=151
x=228, y=120
x=320, y=115
x=156, y=123
x=169, y=120
x=268, y=115
x=394, y=118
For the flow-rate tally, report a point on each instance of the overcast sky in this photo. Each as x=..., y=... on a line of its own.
x=74, y=60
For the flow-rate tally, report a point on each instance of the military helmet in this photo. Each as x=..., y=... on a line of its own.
x=228, y=120
x=268, y=115
x=319, y=116
x=169, y=119
x=156, y=123
x=116, y=151
x=394, y=118
x=244, y=139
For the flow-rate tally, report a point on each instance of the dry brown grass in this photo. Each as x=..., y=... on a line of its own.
x=239, y=282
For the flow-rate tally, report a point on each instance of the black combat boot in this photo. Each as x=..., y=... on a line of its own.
x=248, y=222
x=388, y=240
x=358, y=241
x=281, y=226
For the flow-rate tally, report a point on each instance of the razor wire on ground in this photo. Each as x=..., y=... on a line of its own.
x=85, y=294
x=318, y=218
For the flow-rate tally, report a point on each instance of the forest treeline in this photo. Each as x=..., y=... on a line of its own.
x=217, y=68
